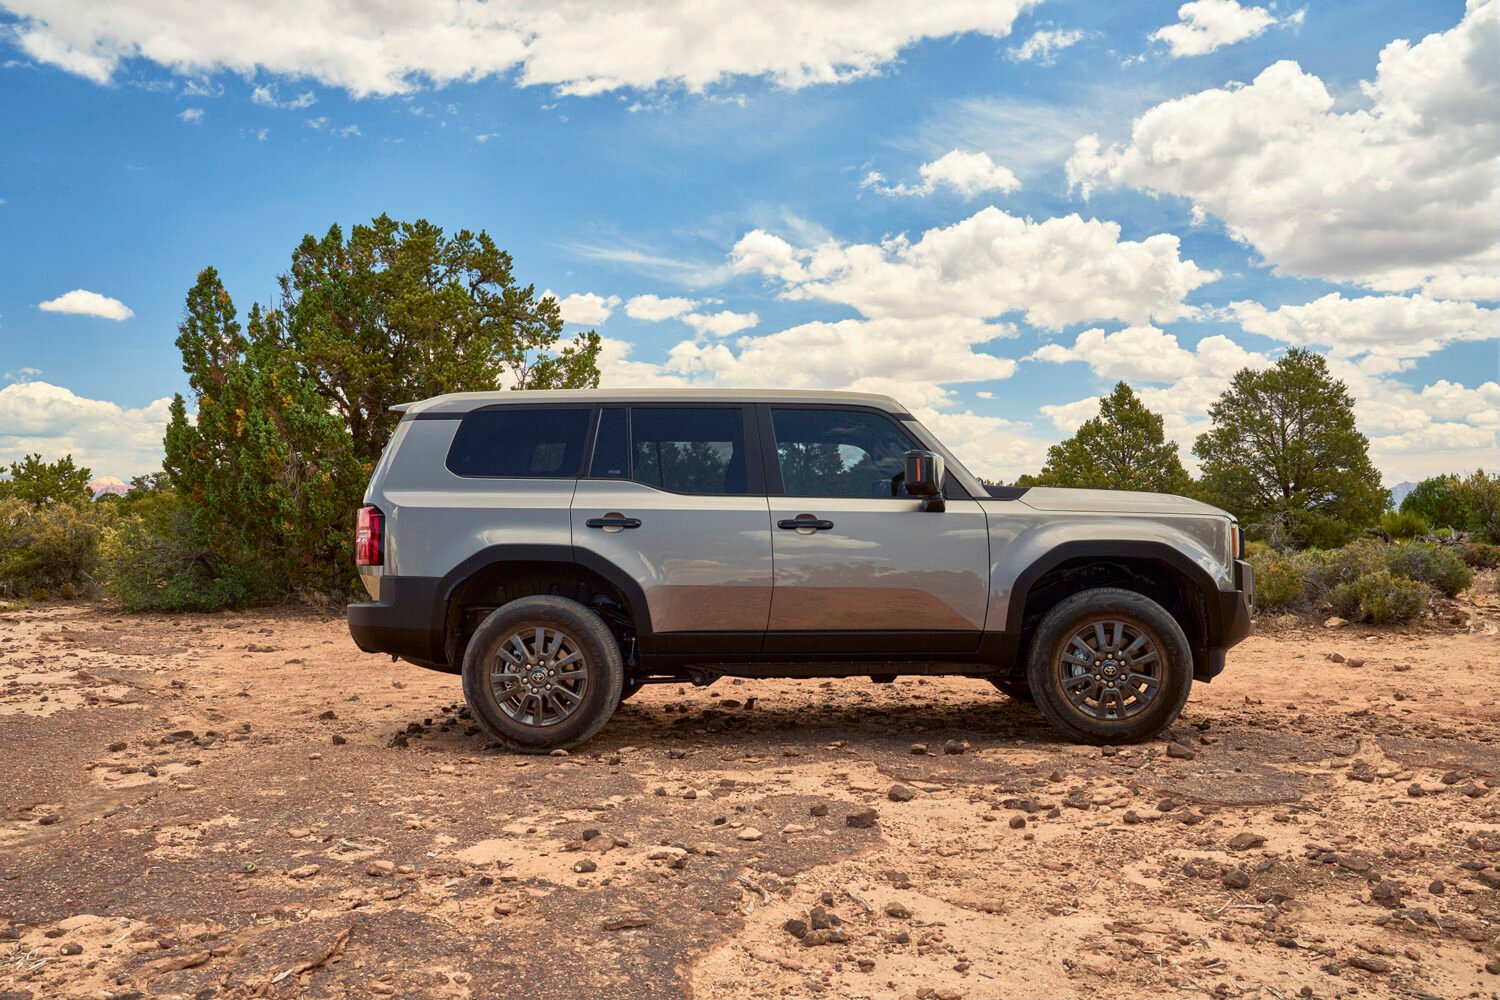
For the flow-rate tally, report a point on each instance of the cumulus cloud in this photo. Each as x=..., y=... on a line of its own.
x=618, y=370
x=191, y=115
x=1397, y=195
x=1386, y=331
x=110, y=439
x=1205, y=25
x=576, y=46
x=969, y=174
x=1043, y=46
x=1056, y=272
x=586, y=308
x=80, y=302
x=654, y=308
x=722, y=323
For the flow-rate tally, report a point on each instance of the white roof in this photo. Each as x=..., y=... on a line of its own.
x=463, y=402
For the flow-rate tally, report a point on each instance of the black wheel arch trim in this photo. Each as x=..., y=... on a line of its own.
x=1219, y=605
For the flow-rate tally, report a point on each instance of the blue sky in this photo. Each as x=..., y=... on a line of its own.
x=1258, y=177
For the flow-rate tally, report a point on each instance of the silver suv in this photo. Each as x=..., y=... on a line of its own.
x=561, y=549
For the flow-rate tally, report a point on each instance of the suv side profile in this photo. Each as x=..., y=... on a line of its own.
x=561, y=549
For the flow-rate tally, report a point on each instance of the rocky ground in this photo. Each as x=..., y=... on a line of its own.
x=244, y=805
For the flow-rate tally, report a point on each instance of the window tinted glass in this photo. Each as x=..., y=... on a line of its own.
x=690, y=449
x=838, y=453
x=516, y=442
x=612, y=446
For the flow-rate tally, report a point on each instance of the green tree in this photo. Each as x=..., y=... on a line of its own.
x=1123, y=448
x=42, y=484
x=400, y=311
x=1438, y=502
x=1285, y=456
x=1480, y=496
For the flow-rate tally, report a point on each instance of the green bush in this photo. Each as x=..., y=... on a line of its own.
x=1480, y=496
x=1278, y=578
x=1479, y=555
x=1327, y=570
x=1439, y=568
x=47, y=552
x=1404, y=524
x=154, y=560
x=1380, y=597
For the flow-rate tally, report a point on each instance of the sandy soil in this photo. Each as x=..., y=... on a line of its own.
x=244, y=805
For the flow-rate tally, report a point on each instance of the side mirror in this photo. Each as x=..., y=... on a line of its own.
x=924, y=478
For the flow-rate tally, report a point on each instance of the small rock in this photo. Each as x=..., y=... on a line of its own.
x=380, y=869
x=49, y=819
x=1354, y=662
x=897, y=911
x=919, y=749
x=1235, y=878
x=627, y=921
x=900, y=793
x=71, y=948
x=299, y=832
x=338, y=740
x=1335, y=622
x=1370, y=964
x=117, y=746
x=585, y=866
x=1436, y=887
x=749, y=833
x=796, y=928
x=955, y=747
x=1387, y=894
x=306, y=871
x=863, y=819
x=819, y=809
x=1179, y=752
x=1018, y=822
x=1245, y=841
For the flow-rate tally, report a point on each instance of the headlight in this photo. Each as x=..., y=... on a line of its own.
x=1236, y=540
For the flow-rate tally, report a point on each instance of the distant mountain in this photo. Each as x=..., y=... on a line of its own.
x=1399, y=492
x=108, y=484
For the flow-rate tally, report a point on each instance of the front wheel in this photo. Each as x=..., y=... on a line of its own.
x=1109, y=666
x=542, y=673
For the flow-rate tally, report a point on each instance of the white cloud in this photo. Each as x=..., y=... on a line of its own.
x=348, y=131
x=108, y=438
x=618, y=371
x=654, y=308
x=969, y=174
x=191, y=115
x=586, y=308
x=318, y=122
x=577, y=46
x=1043, y=46
x=1057, y=272
x=79, y=302
x=266, y=97
x=1205, y=25
x=1387, y=331
x=21, y=375
x=722, y=323
x=1398, y=195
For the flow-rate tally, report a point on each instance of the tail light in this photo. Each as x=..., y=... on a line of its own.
x=369, y=537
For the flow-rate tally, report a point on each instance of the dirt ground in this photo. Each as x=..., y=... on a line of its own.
x=245, y=805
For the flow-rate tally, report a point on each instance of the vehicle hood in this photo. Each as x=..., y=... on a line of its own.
x=1114, y=501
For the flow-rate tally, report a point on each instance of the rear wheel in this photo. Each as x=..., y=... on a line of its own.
x=1109, y=666
x=542, y=673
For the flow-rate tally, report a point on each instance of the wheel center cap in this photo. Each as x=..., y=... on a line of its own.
x=538, y=675
x=1111, y=668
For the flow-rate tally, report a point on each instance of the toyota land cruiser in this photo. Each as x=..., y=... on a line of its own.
x=562, y=549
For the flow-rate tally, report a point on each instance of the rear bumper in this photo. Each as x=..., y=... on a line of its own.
x=1229, y=621
x=407, y=621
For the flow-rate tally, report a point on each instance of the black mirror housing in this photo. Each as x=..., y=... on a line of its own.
x=924, y=478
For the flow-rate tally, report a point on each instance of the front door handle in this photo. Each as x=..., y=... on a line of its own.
x=803, y=522
x=612, y=522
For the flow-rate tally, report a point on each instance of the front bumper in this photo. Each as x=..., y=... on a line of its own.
x=406, y=621
x=1229, y=622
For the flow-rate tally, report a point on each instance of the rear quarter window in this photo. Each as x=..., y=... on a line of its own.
x=517, y=442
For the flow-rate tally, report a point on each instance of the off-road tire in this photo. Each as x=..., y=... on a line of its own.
x=1054, y=635
x=586, y=632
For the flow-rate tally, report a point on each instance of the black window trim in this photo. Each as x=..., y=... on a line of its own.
x=755, y=480
x=588, y=437
x=772, y=460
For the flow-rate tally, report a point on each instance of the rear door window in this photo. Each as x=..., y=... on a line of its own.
x=520, y=442
x=689, y=449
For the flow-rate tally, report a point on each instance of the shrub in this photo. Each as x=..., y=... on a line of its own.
x=1480, y=495
x=1479, y=555
x=46, y=552
x=154, y=560
x=1440, y=568
x=1380, y=597
x=1327, y=570
x=1404, y=524
x=1278, y=578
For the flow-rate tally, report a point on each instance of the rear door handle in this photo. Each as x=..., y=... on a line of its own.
x=797, y=523
x=612, y=521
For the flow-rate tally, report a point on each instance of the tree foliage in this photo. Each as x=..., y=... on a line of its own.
x=1438, y=502
x=291, y=410
x=1122, y=448
x=1284, y=455
x=40, y=484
